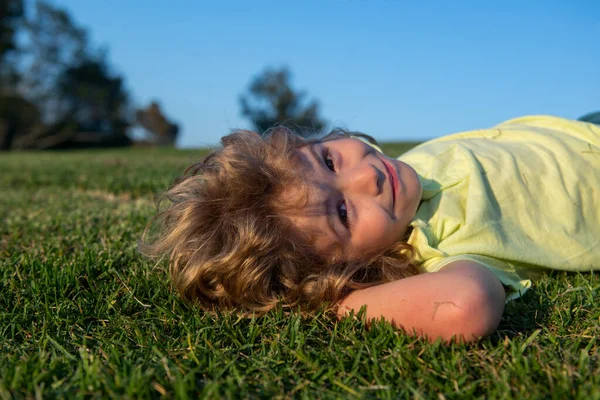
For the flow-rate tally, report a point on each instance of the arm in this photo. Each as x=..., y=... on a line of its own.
x=463, y=299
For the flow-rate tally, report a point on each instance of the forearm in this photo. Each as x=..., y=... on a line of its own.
x=463, y=300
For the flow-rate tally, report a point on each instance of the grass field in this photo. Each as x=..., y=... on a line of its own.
x=83, y=315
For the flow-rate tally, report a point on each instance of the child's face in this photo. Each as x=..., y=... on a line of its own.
x=359, y=200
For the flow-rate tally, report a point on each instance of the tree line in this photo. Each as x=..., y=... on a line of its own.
x=59, y=91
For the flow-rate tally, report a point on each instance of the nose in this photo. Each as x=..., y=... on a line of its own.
x=364, y=178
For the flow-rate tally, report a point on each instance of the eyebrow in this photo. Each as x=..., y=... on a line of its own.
x=328, y=213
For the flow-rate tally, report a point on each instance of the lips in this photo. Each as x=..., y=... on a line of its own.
x=393, y=178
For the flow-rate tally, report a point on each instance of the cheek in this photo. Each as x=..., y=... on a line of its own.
x=378, y=231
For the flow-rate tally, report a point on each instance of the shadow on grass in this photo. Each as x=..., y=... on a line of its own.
x=524, y=315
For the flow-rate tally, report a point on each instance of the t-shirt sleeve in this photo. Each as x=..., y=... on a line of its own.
x=507, y=273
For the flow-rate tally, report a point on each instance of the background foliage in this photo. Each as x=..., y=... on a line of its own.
x=57, y=90
x=271, y=100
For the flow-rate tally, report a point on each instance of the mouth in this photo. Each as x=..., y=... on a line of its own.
x=393, y=178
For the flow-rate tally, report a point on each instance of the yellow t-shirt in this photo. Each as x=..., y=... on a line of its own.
x=518, y=198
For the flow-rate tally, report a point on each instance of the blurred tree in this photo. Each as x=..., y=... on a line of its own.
x=58, y=91
x=54, y=43
x=16, y=115
x=11, y=117
x=80, y=102
x=94, y=99
x=11, y=12
x=272, y=101
x=593, y=117
x=159, y=128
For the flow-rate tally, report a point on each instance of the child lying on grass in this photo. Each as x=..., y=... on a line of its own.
x=435, y=242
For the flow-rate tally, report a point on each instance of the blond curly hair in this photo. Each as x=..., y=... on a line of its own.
x=230, y=244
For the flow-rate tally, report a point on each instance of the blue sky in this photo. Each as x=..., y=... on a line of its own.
x=397, y=70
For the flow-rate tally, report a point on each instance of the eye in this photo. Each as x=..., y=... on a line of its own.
x=328, y=160
x=343, y=214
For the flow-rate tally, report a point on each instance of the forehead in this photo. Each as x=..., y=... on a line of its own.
x=308, y=191
x=311, y=215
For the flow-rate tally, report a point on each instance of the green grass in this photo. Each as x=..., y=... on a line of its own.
x=83, y=315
